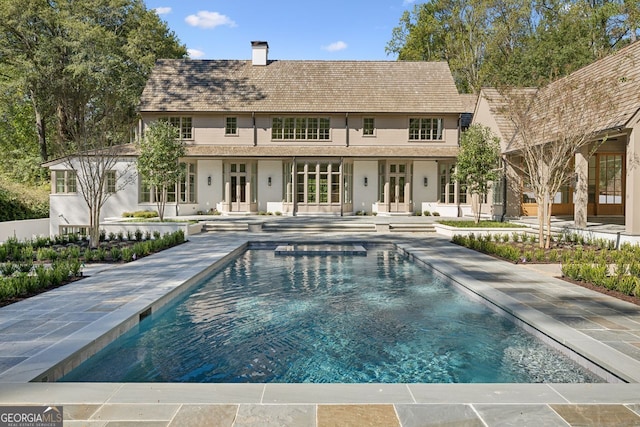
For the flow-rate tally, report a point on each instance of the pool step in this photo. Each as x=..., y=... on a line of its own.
x=316, y=227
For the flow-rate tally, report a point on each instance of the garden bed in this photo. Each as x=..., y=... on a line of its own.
x=35, y=266
x=594, y=264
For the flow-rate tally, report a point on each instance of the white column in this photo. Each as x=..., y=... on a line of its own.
x=632, y=190
x=581, y=188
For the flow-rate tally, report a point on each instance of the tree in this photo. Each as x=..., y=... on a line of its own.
x=445, y=30
x=513, y=42
x=58, y=54
x=550, y=126
x=477, y=165
x=158, y=162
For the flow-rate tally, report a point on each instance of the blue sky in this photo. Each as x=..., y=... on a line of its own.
x=324, y=30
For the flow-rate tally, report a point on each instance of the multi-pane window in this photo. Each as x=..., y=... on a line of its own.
x=110, y=180
x=151, y=194
x=188, y=184
x=184, y=126
x=65, y=181
x=610, y=175
x=447, y=185
x=231, y=127
x=368, y=126
x=185, y=191
x=424, y=128
x=300, y=128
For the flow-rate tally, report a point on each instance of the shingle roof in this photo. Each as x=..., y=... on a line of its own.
x=615, y=80
x=300, y=86
x=499, y=106
x=416, y=150
x=600, y=97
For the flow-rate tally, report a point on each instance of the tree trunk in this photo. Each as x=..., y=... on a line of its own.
x=547, y=244
x=94, y=227
x=40, y=128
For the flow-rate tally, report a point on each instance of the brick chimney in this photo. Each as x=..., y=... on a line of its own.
x=259, y=52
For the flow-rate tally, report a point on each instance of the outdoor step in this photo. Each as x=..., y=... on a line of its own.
x=317, y=227
x=412, y=228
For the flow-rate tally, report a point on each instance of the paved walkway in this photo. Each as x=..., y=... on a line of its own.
x=45, y=336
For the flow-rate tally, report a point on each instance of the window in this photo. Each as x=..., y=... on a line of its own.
x=426, y=129
x=65, y=181
x=368, y=126
x=188, y=184
x=111, y=179
x=151, y=194
x=231, y=127
x=184, y=125
x=300, y=128
x=447, y=185
x=610, y=179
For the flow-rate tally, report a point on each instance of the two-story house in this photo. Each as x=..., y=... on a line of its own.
x=298, y=137
x=308, y=137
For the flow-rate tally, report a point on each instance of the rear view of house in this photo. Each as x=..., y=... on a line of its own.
x=307, y=137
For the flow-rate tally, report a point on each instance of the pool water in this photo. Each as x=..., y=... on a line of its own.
x=328, y=319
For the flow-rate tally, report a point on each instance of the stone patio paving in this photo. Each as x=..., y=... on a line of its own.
x=45, y=336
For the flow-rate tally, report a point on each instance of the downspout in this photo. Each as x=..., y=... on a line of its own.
x=294, y=185
x=341, y=186
x=255, y=129
x=346, y=127
x=504, y=188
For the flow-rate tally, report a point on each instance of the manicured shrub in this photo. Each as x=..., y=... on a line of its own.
x=627, y=284
x=7, y=269
x=116, y=254
x=127, y=254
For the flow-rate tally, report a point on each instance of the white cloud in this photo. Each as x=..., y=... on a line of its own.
x=195, y=53
x=163, y=10
x=334, y=47
x=407, y=2
x=206, y=19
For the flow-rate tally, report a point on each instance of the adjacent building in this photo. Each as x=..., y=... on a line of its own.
x=604, y=99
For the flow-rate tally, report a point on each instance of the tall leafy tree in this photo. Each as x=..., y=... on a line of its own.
x=445, y=30
x=514, y=42
x=477, y=165
x=158, y=162
x=63, y=56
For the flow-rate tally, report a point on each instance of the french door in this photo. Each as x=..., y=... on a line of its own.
x=395, y=187
x=239, y=194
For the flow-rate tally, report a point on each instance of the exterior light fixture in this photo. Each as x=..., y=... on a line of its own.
x=366, y=181
x=269, y=181
x=425, y=181
x=209, y=180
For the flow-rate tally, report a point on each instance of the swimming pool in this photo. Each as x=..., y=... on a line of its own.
x=327, y=318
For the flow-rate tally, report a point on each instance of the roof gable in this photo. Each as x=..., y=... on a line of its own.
x=300, y=86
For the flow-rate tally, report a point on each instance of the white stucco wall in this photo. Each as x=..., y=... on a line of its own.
x=422, y=193
x=365, y=197
x=269, y=193
x=24, y=230
x=72, y=210
x=209, y=196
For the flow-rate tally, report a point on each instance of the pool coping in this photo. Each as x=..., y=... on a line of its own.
x=15, y=388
